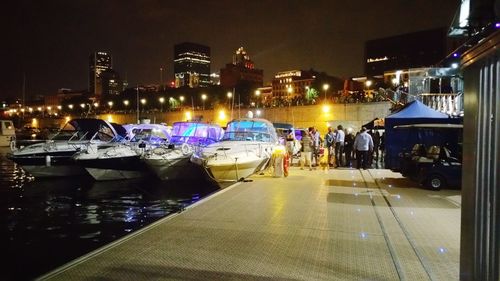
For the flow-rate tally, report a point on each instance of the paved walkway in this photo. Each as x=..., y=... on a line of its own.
x=313, y=225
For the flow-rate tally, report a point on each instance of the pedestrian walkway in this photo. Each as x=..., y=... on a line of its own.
x=340, y=224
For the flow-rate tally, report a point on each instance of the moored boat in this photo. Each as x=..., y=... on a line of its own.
x=54, y=157
x=171, y=162
x=245, y=149
x=119, y=161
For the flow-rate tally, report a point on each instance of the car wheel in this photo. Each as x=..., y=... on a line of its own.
x=436, y=182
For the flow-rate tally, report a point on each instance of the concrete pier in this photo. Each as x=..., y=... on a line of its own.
x=341, y=224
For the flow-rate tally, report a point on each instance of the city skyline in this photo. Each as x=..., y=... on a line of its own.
x=49, y=42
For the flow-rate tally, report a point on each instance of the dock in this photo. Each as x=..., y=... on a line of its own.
x=338, y=224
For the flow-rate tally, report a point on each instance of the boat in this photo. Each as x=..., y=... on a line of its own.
x=7, y=133
x=122, y=160
x=245, y=149
x=172, y=161
x=54, y=157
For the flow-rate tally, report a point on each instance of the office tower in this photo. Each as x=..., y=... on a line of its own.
x=99, y=62
x=191, y=65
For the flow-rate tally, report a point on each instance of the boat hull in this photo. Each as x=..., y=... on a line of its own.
x=49, y=164
x=117, y=168
x=235, y=171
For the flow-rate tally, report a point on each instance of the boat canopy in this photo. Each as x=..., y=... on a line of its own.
x=195, y=133
x=152, y=133
x=251, y=129
x=85, y=129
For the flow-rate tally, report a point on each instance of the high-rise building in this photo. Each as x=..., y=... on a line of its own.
x=418, y=49
x=191, y=65
x=99, y=62
x=242, y=70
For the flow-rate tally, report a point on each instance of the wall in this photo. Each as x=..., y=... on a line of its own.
x=348, y=115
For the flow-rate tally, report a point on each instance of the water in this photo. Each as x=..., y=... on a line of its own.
x=46, y=223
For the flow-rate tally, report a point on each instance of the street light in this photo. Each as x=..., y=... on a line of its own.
x=257, y=93
x=203, y=98
x=143, y=102
x=325, y=87
x=110, y=104
x=162, y=100
x=126, y=103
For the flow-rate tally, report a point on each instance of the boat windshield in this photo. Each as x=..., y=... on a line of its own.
x=248, y=130
x=195, y=133
x=85, y=130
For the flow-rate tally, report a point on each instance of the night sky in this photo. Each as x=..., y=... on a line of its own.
x=50, y=41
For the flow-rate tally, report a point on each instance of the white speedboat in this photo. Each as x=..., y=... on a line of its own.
x=171, y=162
x=245, y=148
x=54, y=157
x=119, y=161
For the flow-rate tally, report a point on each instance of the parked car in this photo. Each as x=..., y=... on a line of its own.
x=444, y=171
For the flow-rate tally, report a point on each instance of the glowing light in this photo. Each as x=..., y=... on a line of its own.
x=39, y=108
x=70, y=106
x=96, y=104
x=257, y=93
x=326, y=108
x=82, y=105
x=203, y=97
x=67, y=118
x=325, y=87
x=258, y=113
x=162, y=100
x=368, y=83
x=222, y=115
x=181, y=98
x=49, y=108
x=143, y=101
x=454, y=65
x=110, y=118
x=126, y=102
x=59, y=107
x=34, y=122
x=188, y=115
x=110, y=103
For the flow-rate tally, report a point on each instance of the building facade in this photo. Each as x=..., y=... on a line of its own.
x=99, y=62
x=191, y=65
x=241, y=71
x=419, y=49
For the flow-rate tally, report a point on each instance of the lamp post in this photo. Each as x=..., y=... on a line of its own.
x=368, y=83
x=143, y=102
x=181, y=98
x=126, y=103
x=110, y=104
x=257, y=94
x=325, y=87
x=162, y=100
x=203, y=98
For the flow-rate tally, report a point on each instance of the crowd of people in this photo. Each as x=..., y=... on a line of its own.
x=338, y=148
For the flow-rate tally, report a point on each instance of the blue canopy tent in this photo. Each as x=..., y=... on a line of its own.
x=402, y=139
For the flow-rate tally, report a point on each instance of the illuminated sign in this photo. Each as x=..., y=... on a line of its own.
x=288, y=74
x=377, y=59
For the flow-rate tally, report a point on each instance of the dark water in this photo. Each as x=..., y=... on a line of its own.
x=47, y=223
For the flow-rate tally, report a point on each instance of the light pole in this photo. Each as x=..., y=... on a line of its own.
x=162, y=100
x=368, y=83
x=143, y=102
x=126, y=103
x=203, y=98
x=325, y=87
x=257, y=94
x=181, y=98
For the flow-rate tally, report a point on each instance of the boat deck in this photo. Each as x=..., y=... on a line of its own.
x=340, y=224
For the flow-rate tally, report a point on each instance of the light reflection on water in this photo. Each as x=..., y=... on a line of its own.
x=48, y=222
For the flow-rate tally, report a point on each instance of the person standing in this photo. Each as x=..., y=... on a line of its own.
x=306, y=149
x=339, y=145
x=348, y=145
x=316, y=142
x=330, y=144
x=363, y=144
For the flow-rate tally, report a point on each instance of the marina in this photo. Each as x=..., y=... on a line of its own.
x=341, y=224
x=47, y=222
